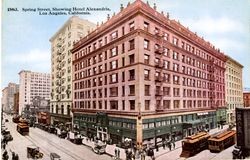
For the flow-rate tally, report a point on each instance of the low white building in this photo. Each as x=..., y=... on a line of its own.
x=32, y=84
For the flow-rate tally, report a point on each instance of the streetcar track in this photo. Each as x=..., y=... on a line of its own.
x=167, y=152
x=64, y=150
x=33, y=140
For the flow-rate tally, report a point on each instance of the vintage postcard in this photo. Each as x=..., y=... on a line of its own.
x=125, y=80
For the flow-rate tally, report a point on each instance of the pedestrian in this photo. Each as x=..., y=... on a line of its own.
x=115, y=152
x=157, y=148
x=4, y=145
x=143, y=155
x=163, y=144
x=174, y=145
x=118, y=153
x=169, y=146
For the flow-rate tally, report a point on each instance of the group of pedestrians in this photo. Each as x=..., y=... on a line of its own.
x=117, y=153
x=5, y=155
x=170, y=144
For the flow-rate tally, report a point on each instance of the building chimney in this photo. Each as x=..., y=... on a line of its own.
x=121, y=8
x=154, y=6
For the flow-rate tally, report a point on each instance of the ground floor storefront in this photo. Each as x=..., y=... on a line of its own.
x=155, y=129
x=60, y=113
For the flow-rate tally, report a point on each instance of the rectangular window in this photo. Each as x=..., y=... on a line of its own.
x=166, y=77
x=131, y=26
x=114, y=35
x=132, y=90
x=146, y=74
x=123, y=48
x=132, y=104
x=146, y=44
x=166, y=64
x=165, y=36
x=147, y=104
x=114, y=92
x=114, y=78
x=100, y=42
x=147, y=90
x=132, y=44
x=176, y=67
x=123, y=104
x=123, y=30
x=100, y=57
x=132, y=74
x=100, y=69
x=176, y=79
x=166, y=91
x=113, y=51
x=146, y=59
x=175, y=41
x=114, y=105
x=146, y=26
x=175, y=55
x=131, y=59
x=176, y=92
x=100, y=93
x=123, y=90
x=176, y=104
x=114, y=64
x=100, y=104
x=123, y=76
x=166, y=104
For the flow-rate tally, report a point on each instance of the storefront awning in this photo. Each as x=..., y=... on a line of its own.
x=191, y=124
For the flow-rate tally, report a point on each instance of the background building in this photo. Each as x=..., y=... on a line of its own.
x=61, y=65
x=143, y=76
x=243, y=128
x=16, y=103
x=234, y=87
x=8, y=97
x=246, y=95
x=32, y=84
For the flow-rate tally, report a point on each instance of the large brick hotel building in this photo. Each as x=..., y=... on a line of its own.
x=142, y=75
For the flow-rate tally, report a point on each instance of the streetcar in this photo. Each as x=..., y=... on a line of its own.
x=23, y=128
x=192, y=145
x=221, y=141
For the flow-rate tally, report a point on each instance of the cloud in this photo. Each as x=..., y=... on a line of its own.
x=209, y=25
x=228, y=45
x=34, y=60
x=33, y=56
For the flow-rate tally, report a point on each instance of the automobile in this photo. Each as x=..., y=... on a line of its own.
x=239, y=153
x=99, y=147
x=63, y=134
x=33, y=152
x=6, y=135
x=54, y=156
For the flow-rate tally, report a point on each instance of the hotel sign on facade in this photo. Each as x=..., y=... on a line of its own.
x=243, y=127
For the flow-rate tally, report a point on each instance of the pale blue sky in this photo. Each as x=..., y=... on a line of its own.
x=25, y=36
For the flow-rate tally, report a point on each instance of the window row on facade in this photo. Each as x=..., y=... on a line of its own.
x=129, y=90
x=129, y=105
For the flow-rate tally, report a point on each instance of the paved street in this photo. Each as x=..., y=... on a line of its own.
x=49, y=143
x=204, y=155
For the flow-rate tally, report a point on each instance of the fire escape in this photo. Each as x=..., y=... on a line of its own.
x=159, y=71
x=212, y=83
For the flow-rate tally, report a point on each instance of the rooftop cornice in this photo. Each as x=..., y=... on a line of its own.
x=139, y=6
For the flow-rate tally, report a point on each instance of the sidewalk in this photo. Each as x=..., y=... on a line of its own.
x=110, y=149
